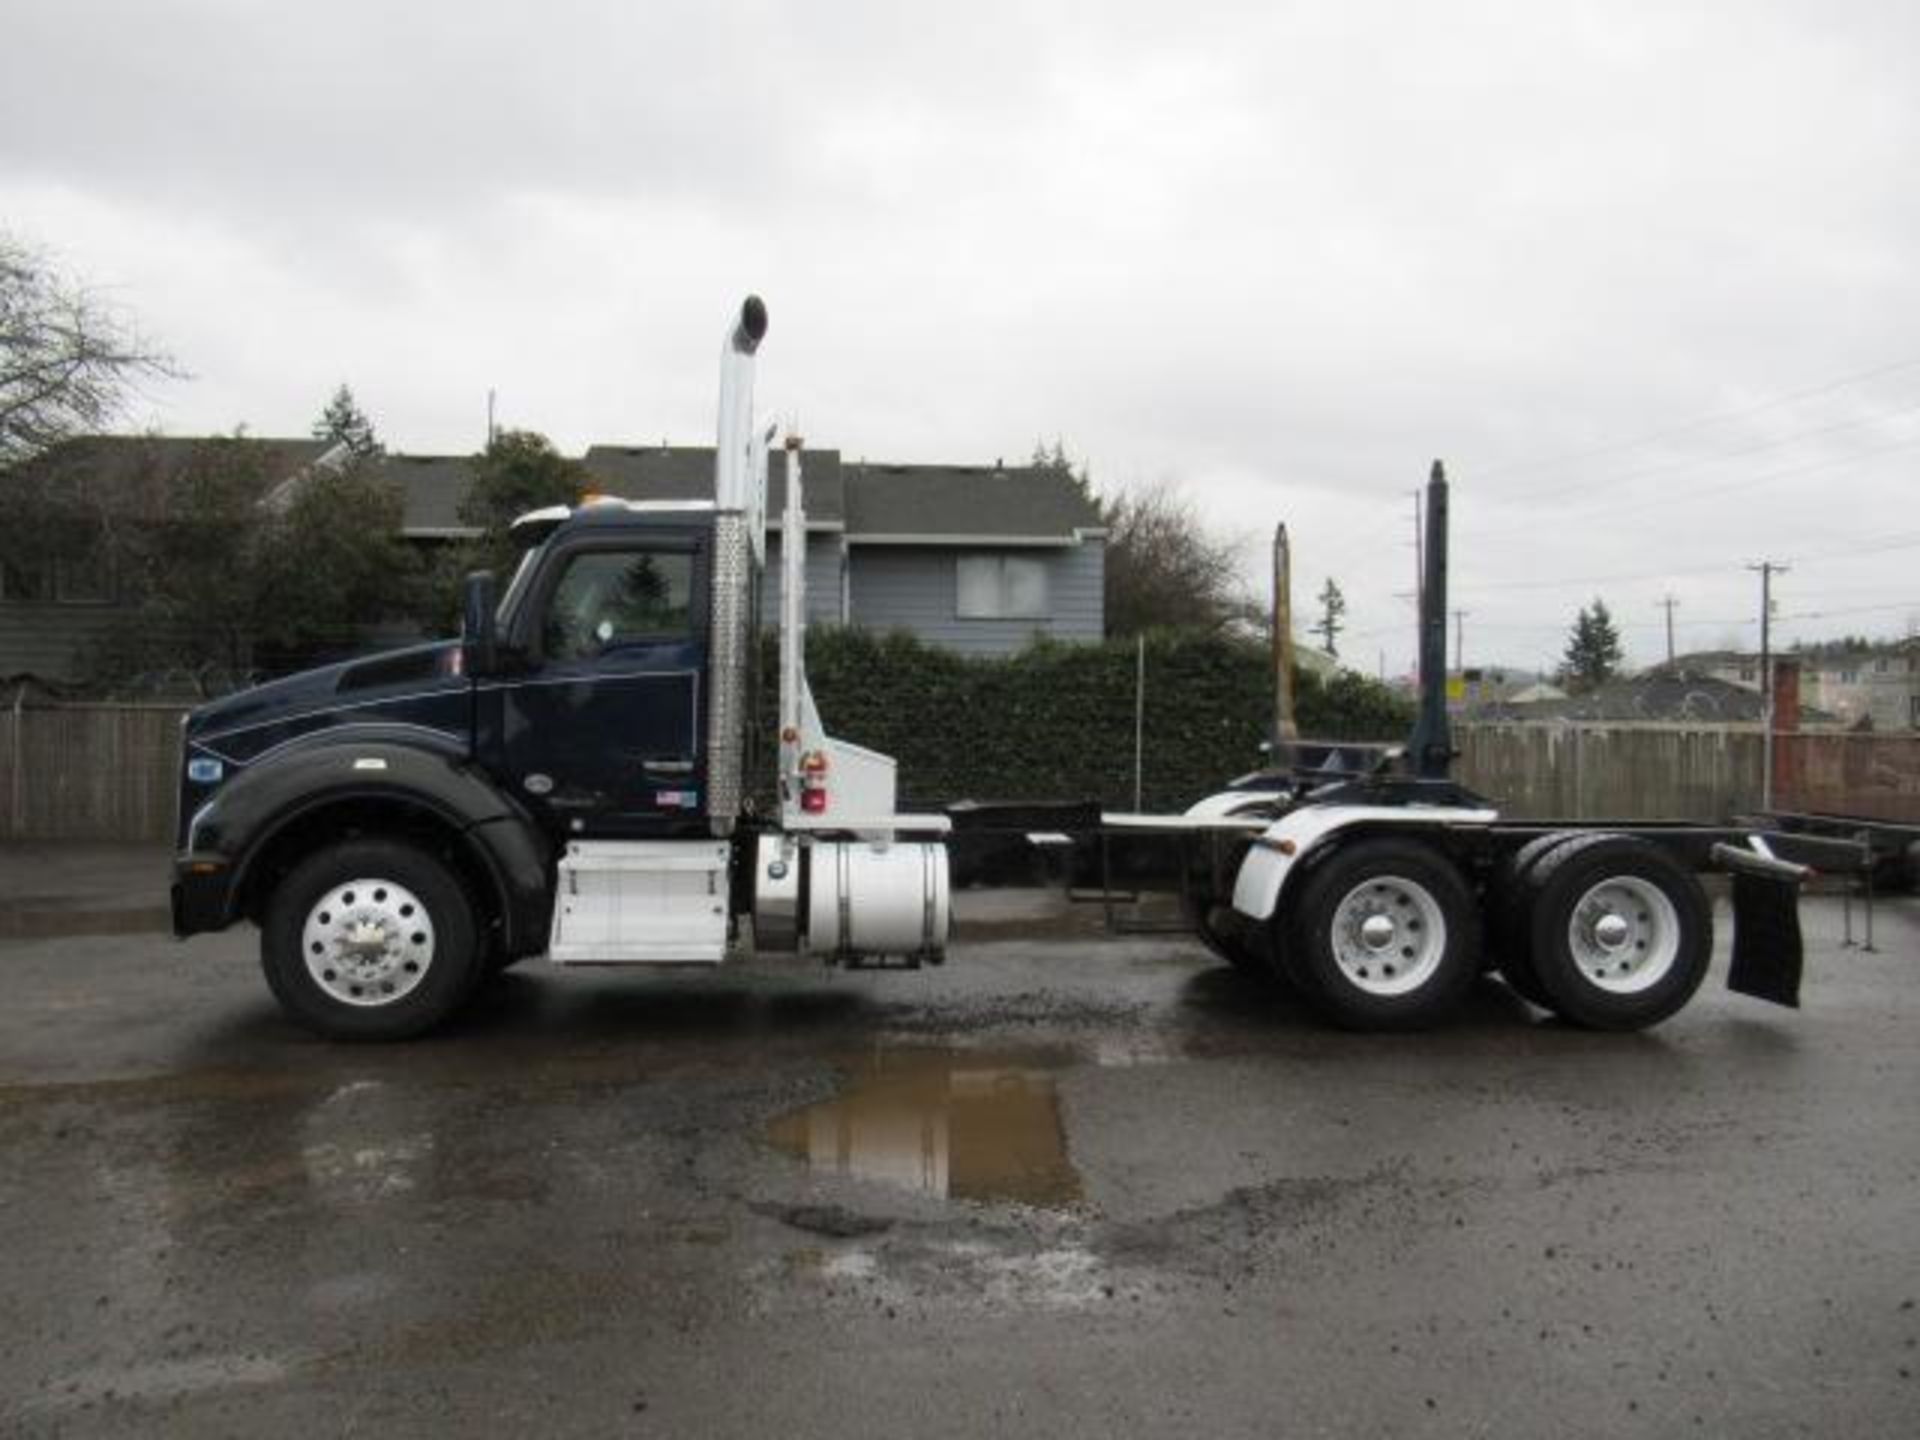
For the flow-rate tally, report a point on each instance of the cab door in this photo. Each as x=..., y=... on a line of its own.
x=600, y=730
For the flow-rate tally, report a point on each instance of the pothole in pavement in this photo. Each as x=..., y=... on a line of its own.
x=951, y=1123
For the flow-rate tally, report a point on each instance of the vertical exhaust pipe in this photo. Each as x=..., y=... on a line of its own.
x=1285, y=730
x=730, y=658
x=734, y=444
x=1430, y=751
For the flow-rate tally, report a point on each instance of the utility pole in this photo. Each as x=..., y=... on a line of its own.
x=1767, y=570
x=1667, y=603
x=1460, y=643
x=491, y=431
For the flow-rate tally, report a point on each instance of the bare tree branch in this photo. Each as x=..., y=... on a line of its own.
x=1163, y=569
x=68, y=362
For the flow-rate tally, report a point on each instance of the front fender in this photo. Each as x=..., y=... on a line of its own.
x=1285, y=846
x=229, y=833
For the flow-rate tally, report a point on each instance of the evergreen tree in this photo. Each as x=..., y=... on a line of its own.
x=1054, y=460
x=1593, y=649
x=1333, y=605
x=344, y=421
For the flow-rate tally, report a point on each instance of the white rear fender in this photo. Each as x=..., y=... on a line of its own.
x=1286, y=844
x=1230, y=802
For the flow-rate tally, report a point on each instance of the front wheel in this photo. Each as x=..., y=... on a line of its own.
x=1383, y=936
x=371, y=940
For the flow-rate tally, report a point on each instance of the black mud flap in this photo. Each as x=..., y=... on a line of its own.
x=1767, y=951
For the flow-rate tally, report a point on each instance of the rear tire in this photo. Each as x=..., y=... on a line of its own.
x=1384, y=935
x=371, y=940
x=1231, y=950
x=1507, y=937
x=1621, y=936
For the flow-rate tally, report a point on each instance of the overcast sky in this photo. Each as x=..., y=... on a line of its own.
x=1644, y=274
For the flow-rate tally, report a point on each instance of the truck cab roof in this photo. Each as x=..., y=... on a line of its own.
x=536, y=525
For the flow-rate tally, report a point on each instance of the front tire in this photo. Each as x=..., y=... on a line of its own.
x=1384, y=935
x=371, y=940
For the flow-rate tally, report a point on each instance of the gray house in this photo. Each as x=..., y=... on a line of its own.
x=976, y=558
x=60, y=594
x=979, y=559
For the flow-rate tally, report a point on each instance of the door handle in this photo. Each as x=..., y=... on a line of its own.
x=667, y=767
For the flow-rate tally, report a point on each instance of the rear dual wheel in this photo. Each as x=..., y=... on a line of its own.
x=1384, y=935
x=1618, y=936
x=1507, y=911
x=1231, y=949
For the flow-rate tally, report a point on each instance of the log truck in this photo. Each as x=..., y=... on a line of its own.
x=581, y=775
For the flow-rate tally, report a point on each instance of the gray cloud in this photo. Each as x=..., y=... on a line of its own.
x=1285, y=253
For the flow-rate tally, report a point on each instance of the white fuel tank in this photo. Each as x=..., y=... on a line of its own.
x=873, y=899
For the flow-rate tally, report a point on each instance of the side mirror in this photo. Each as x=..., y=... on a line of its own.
x=479, y=647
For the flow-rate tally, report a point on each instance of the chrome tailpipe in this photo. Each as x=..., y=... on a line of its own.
x=730, y=659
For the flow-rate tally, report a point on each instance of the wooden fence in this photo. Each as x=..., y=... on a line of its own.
x=89, y=772
x=1873, y=777
x=1618, y=772
x=108, y=772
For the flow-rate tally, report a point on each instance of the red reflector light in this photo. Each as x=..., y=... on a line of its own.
x=814, y=802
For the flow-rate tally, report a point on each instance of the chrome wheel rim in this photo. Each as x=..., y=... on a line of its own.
x=1389, y=936
x=368, y=942
x=1624, y=935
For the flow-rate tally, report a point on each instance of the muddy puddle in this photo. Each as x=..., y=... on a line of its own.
x=968, y=1125
x=29, y=922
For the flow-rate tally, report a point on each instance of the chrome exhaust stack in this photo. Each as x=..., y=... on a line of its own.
x=1430, y=750
x=739, y=468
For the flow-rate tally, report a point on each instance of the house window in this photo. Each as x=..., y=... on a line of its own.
x=85, y=580
x=23, y=582
x=1001, y=587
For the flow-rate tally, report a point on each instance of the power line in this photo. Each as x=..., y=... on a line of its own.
x=1688, y=427
x=1341, y=552
x=1666, y=467
x=1901, y=542
x=1656, y=502
x=1703, y=622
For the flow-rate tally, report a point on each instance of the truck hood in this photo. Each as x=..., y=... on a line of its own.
x=367, y=682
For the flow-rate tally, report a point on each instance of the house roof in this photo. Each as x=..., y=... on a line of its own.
x=431, y=487
x=921, y=504
x=685, y=472
x=128, y=474
x=873, y=503
x=1656, y=695
x=1703, y=660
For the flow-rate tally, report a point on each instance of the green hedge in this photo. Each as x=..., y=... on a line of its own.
x=1055, y=722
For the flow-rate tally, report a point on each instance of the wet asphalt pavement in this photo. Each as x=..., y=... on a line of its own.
x=1062, y=1186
